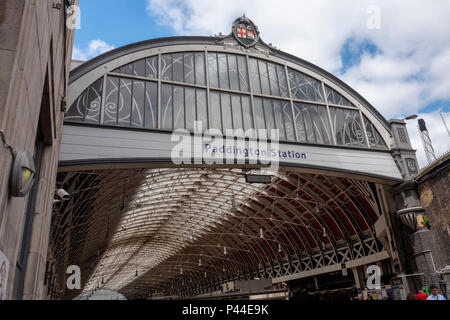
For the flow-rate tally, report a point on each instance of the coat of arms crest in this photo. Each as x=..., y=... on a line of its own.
x=245, y=32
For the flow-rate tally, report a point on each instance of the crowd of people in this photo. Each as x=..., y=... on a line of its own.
x=421, y=295
x=424, y=296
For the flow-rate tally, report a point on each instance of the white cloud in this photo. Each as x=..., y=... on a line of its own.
x=408, y=71
x=95, y=48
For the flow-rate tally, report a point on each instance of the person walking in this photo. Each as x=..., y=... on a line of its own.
x=435, y=295
x=421, y=295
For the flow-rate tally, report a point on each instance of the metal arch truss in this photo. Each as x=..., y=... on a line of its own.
x=306, y=263
x=185, y=231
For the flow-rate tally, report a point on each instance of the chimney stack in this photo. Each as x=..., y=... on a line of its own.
x=426, y=140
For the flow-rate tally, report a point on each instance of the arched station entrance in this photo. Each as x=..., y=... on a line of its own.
x=142, y=224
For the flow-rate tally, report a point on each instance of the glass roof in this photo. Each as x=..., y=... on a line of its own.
x=136, y=231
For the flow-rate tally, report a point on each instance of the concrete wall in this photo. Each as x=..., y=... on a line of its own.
x=32, y=52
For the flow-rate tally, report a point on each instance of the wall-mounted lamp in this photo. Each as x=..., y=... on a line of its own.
x=22, y=174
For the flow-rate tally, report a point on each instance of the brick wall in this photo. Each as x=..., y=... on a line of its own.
x=434, y=190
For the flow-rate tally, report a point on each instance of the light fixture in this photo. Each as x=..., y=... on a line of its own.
x=181, y=270
x=279, y=247
x=324, y=232
x=123, y=207
x=261, y=233
x=411, y=117
x=224, y=250
x=233, y=203
x=22, y=175
x=199, y=262
x=253, y=178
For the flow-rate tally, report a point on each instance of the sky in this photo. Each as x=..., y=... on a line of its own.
x=396, y=54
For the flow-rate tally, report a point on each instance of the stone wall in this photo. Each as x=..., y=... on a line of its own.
x=33, y=46
x=434, y=190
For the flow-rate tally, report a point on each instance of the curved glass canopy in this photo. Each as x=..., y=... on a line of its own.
x=224, y=91
x=186, y=230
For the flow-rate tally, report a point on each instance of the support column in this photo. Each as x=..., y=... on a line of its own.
x=409, y=208
x=358, y=281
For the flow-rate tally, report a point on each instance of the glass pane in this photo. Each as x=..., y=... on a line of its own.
x=259, y=114
x=304, y=87
x=282, y=81
x=273, y=79
x=189, y=74
x=288, y=121
x=137, y=111
x=268, y=112
x=234, y=77
x=223, y=71
x=264, y=77
x=308, y=120
x=212, y=70
x=78, y=108
x=236, y=111
x=166, y=66
x=335, y=98
x=94, y=102
x=243, y=75
x=139, y=68
x=178, y=107
x=166, y=107
x=152, y=67
x=216, y=121
x=247, y=113
x=178, y=68
x=226, y=112
x=347, y=127
x=151, y=105
x=300, y=122
x=190, y=108
x=279, y=119
x=127, y=69
x=375, y=139
x=200, y=68
x=254, y=76
x=202, y=110
x=125, y=102
x=321, y=125
x=111, y=99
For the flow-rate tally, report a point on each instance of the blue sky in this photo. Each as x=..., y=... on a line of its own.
x=117, y=22
x=398, y=62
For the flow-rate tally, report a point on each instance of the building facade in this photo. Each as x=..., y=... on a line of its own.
x=145, y=224
x=143, y=221
x=35, y=51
